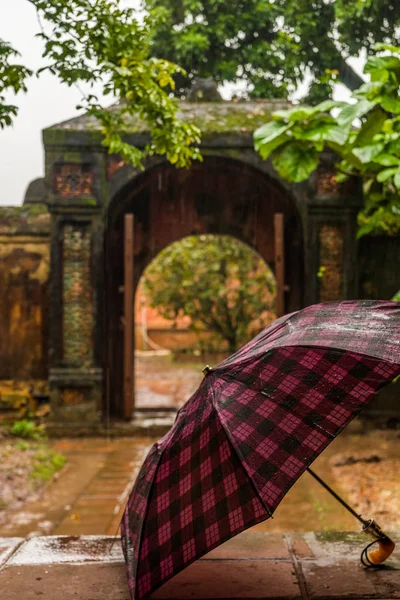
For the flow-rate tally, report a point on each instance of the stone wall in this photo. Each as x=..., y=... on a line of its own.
x=24, y=276
x=379, y=267
x=380, y=280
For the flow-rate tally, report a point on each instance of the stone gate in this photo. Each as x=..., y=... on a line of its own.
x=231, y=192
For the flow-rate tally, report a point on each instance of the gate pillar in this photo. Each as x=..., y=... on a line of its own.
x=76, y=374
x=332, y=249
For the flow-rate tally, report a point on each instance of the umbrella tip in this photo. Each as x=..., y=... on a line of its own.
x=207, y=369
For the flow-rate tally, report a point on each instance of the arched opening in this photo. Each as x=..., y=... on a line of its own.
x=199, y=300
x=220, y=196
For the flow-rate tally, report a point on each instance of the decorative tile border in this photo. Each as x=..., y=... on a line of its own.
x=77, y=295
x=72, y=180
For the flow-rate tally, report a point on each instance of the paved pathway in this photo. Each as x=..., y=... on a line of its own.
x=91, y=493
x=92, y=489
x=89, y=496
x=251, y=566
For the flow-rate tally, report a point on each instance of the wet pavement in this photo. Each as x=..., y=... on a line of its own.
x=162, y=382
x=310, y=566
x=90, y=494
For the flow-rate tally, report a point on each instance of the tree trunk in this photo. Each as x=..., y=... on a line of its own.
x=232, y=344
x=348, y=76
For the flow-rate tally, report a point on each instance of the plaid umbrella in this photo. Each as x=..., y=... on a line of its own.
x=252, y=428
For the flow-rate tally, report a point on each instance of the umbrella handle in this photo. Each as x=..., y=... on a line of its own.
x=371, y=558
x=374, y=558
x=384, y=550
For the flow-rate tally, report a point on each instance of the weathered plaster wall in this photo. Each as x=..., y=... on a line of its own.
x=24, y=276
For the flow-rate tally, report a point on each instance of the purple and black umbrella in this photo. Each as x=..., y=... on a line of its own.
x=255, y=424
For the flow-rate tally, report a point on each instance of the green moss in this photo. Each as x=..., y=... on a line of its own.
x=72, y=157
x=87, y=201
x=329, y=537
x=94, y=133
x=219, y=117
x=27, y=211
x=232, y=120
x=54, y=135
x=35, y=209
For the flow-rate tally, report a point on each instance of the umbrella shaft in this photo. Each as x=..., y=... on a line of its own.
x=336, y=496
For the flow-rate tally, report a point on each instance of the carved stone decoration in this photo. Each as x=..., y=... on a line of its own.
x=327, y=184
x=72, y=396
x=331, y=241
x=77, y=296
x=72, y=180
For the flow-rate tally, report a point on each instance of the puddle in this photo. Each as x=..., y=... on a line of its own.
x=68, y=549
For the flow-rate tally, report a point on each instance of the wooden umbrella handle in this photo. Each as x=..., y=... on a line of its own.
x=383, y=545
x=383, y=551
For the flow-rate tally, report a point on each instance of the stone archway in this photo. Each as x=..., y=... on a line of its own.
x=218, y=196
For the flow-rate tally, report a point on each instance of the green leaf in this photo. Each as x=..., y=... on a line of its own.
x=387, y=160
x=304, y=113
x=391, y=104
x=325, y=130
x=265, y=150
x=368, y=90
x=295, y=162
x=269, y=131
x=328, y=105
x=396, y=297
x=397, y=179
x=270, y=136
x=298, y=113
x=355, y=111
x=380, y=63
x=367, y=153
x=387, y=47
x=342, y=178
x=394, y=147
x=385, y=174
x=337, y=135
x=371, y=127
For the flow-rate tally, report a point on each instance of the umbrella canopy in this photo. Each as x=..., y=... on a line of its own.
x=252, y=428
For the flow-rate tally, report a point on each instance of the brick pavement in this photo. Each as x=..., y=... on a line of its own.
x=89, y=496
x=91, y=493
x=254, y=565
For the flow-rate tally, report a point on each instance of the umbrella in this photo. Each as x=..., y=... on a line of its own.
x=255, y=424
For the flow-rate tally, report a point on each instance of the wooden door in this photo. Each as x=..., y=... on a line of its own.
x=128, y=320
x=279, y=263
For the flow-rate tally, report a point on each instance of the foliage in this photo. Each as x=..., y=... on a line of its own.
x=99, y=42
x=47, y=463
x=271, y=45
x=23, y=445
x=220, y=283
x=296, y=137
x=27, y=430
x=396, y=297
x=12, y=77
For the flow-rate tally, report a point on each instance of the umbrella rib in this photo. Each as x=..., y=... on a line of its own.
x=234, y=449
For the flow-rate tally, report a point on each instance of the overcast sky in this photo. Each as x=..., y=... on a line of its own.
x=46, y=103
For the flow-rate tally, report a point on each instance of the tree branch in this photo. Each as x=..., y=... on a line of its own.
x=348, y=76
